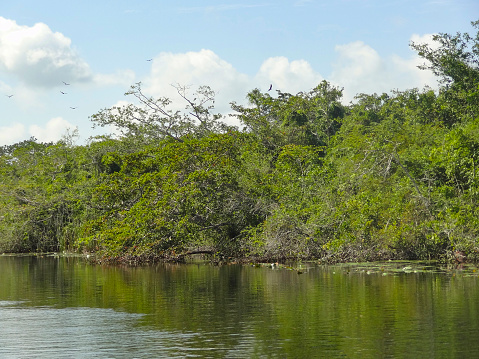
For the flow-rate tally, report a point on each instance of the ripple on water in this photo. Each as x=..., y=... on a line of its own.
x=48, y=332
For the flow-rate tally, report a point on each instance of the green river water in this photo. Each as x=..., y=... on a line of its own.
x=64, y=307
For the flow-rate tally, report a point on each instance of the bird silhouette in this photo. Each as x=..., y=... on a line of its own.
x=73, y=108
x=63, y=93
x=149, y=60
x=9, y=96
x=270, y=87
x=65, y=83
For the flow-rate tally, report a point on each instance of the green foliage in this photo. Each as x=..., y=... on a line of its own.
x=455, y=60
x=389, y=176
x=304, y=119
x=40, y=195
x=177, y=195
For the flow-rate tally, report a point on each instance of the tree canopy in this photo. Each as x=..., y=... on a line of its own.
x=388, y=176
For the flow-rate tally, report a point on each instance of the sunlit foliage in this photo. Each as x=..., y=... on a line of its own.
x=306, y=176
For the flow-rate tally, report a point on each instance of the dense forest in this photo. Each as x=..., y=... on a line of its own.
x=305, y=176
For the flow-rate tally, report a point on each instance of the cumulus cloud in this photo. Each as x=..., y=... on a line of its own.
x=38, y=56
x=53, y=130
x=206, y=68
x=409, y=75
x=360, y=69
x=288, y=76
x=196, y=69
x=12, y=134
x=425, y=39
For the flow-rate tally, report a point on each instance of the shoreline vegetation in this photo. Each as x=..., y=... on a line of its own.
x=305, y=177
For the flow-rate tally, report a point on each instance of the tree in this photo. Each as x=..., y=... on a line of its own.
x=178, y=196
x=455, y=60
x=310, y=118
x=41, y=195
x=153, y=119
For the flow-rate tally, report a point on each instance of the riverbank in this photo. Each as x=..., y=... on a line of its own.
x=388, y=176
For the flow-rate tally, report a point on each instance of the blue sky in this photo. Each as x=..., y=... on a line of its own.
x=101, y=48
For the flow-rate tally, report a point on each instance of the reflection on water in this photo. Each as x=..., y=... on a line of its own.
x=65, y=308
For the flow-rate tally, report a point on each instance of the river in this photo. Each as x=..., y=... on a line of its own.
x=64, y=307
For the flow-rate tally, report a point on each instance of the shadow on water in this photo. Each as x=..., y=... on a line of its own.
x=65, y=307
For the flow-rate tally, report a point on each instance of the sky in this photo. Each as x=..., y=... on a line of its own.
x=63, y=61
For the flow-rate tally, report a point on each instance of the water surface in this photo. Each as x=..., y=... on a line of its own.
x=63, y=307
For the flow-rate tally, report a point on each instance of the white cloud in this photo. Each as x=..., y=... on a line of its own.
x=196, y=69
x=38, y=56
x=408, y=75
x=206, y=68
x=53, y=130
x=292, y=77
x=12, y=134
x=425, y=39
x=360, y=69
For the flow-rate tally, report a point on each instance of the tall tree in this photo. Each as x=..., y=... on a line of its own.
x=153, y=119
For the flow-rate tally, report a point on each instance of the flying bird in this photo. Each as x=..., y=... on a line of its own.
x=73, y=108
x=65, y=83
x=270, y=87
x=9, y=96
x=63, y=93
x=149, y=60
